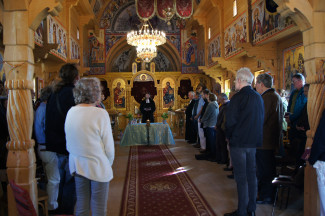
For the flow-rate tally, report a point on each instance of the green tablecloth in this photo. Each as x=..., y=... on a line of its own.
x=136, y=134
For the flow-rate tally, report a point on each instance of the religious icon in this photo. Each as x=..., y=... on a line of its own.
x=257, y=26
x=168, y=95
x=143, y=77
x=119, y=94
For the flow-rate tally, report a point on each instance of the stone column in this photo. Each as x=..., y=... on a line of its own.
x=19, y=69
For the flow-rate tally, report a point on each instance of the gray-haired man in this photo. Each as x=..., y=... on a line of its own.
x=244, y=130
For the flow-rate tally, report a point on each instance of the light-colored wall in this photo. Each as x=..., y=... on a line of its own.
x=74, y=23
x=228, y=10
x=213, y=22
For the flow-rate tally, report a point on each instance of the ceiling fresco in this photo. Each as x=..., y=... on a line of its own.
x=123, y=62
x=121, y=16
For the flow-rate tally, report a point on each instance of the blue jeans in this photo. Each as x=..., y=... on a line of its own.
x=67, y=189
x=91, y=195
x=244, y=163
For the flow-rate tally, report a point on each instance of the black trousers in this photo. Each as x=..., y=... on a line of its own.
x=266, y=171
x=221, y=151
x=190, y=132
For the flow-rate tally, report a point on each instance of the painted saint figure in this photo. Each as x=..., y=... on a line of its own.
x=168, y=97
x=119, y=97
x=257, y=26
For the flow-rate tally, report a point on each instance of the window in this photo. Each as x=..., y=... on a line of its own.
x=234, y=8
x=227, y=87
x=209, y=33
x=77, y=33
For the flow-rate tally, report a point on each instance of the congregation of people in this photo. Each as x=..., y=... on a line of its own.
x=74, y=142
x=244, y=131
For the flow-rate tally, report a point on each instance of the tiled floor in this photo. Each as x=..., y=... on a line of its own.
x=209, y=177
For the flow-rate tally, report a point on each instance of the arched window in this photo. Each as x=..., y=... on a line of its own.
x=234, y=6
x=78, y=36
x=209, y=33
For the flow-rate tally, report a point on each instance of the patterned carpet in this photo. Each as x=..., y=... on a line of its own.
x=157, y=185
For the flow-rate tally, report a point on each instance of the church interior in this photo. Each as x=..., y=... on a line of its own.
x=205, y=43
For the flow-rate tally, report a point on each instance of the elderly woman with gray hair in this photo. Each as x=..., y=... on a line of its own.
x=91, y=147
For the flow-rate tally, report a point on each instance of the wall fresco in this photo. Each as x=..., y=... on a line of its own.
x=265, y=24
x=189, y=55
x=235, y=33
x=57, y=35
x=214, y=49
x=293, y=62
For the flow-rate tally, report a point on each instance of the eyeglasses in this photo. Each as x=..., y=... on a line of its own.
x=294, y=81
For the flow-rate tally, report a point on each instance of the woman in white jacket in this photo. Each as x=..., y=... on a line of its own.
x=91, y=148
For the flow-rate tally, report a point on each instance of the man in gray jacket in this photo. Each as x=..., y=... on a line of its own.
x=209, y=120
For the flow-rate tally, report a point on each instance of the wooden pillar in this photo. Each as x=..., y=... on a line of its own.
x=128, y=100
x=310, y=18
x=19, y=69
x=314, y=54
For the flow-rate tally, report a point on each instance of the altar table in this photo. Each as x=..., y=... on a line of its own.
x=136, y=134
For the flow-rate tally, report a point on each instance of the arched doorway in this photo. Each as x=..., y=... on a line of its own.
x=143, y=83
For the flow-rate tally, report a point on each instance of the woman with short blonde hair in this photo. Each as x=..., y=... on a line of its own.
x=91, y=147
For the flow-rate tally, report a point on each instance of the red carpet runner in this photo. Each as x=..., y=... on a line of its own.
x=156, y=186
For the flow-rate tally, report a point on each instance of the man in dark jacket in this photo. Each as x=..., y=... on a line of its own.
x=302, y=127
x=297, y=102
x=189, y=132
x=57, y=108
x=272, y=128
x=195, y=122
x=244, y=130
x=222, y=153
x=147, y=109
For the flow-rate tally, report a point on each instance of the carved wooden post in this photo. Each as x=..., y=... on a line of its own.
x=19, y=68
x=310, y=21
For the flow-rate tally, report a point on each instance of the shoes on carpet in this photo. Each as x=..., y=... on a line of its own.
x=264, y=201
x=212, y=160
x=54, y=212
x=234, y=213
x=228, y=169
x=231, y=176
x=201, y=157
x=203, y=151
x=197, y=146
x=222, y=162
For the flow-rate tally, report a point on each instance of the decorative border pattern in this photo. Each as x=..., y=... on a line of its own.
x=130, y=199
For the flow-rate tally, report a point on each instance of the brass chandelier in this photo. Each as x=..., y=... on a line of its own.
x=146, y=41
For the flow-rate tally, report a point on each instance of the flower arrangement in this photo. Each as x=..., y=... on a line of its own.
x=129, y=116
x=164, y=115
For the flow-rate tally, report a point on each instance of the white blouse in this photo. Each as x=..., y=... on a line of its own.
x=90, y=143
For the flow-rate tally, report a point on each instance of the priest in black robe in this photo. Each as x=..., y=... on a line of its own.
x=189, y=130
x=147, y=108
